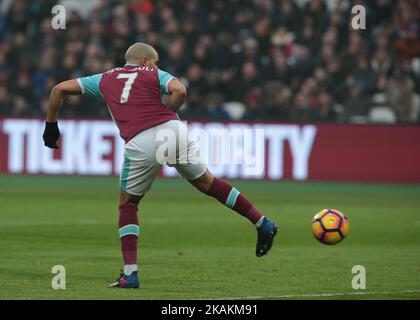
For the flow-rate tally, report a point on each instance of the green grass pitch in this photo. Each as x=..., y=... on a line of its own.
x=191, y=247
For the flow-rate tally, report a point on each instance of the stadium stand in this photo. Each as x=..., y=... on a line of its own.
x=241, y=59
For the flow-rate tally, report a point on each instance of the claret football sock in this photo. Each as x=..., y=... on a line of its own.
x=231, y=198
x=129, y=233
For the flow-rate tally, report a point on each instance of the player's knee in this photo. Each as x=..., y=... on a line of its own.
x=126, y=198
x=204, y=182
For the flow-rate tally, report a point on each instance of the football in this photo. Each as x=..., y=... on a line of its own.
x=330, y=226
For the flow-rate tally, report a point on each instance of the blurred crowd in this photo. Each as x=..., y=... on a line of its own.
x=240, y=59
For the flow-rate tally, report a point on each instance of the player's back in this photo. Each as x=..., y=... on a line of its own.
x=133, y=95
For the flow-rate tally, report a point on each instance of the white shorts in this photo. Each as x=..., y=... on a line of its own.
x=143, y=157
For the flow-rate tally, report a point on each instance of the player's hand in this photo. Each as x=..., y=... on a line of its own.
x=51, y=134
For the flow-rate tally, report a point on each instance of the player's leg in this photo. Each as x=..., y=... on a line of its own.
x=128, y=230
x=232, y=198
x=229, y=196
x=128, y=226
x=198, y=175
x=137, y=175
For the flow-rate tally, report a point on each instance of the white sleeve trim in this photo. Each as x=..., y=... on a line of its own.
x=167, y=83
x=81, y=85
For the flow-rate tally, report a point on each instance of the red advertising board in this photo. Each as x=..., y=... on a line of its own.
x=369, y=153
x=329, y=152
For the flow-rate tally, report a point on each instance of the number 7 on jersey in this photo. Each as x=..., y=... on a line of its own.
x=127, y=86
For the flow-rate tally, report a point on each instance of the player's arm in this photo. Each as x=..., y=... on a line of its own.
x=169, y=85
x=51, y=132
x=87, y=85
x=69, y=87
x=177, y=92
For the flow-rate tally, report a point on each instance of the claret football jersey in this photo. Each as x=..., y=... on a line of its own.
x=133, y=96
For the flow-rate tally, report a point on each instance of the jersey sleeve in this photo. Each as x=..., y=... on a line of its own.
x=164, y=78
x=90, y=85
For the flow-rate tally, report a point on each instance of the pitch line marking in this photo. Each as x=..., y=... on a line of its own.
x=335, y=294
x=57, y=222
x=30, y=223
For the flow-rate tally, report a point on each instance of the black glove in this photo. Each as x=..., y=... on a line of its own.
x=51, y=134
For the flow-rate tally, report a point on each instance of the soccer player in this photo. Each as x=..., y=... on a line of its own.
x=133, y=95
